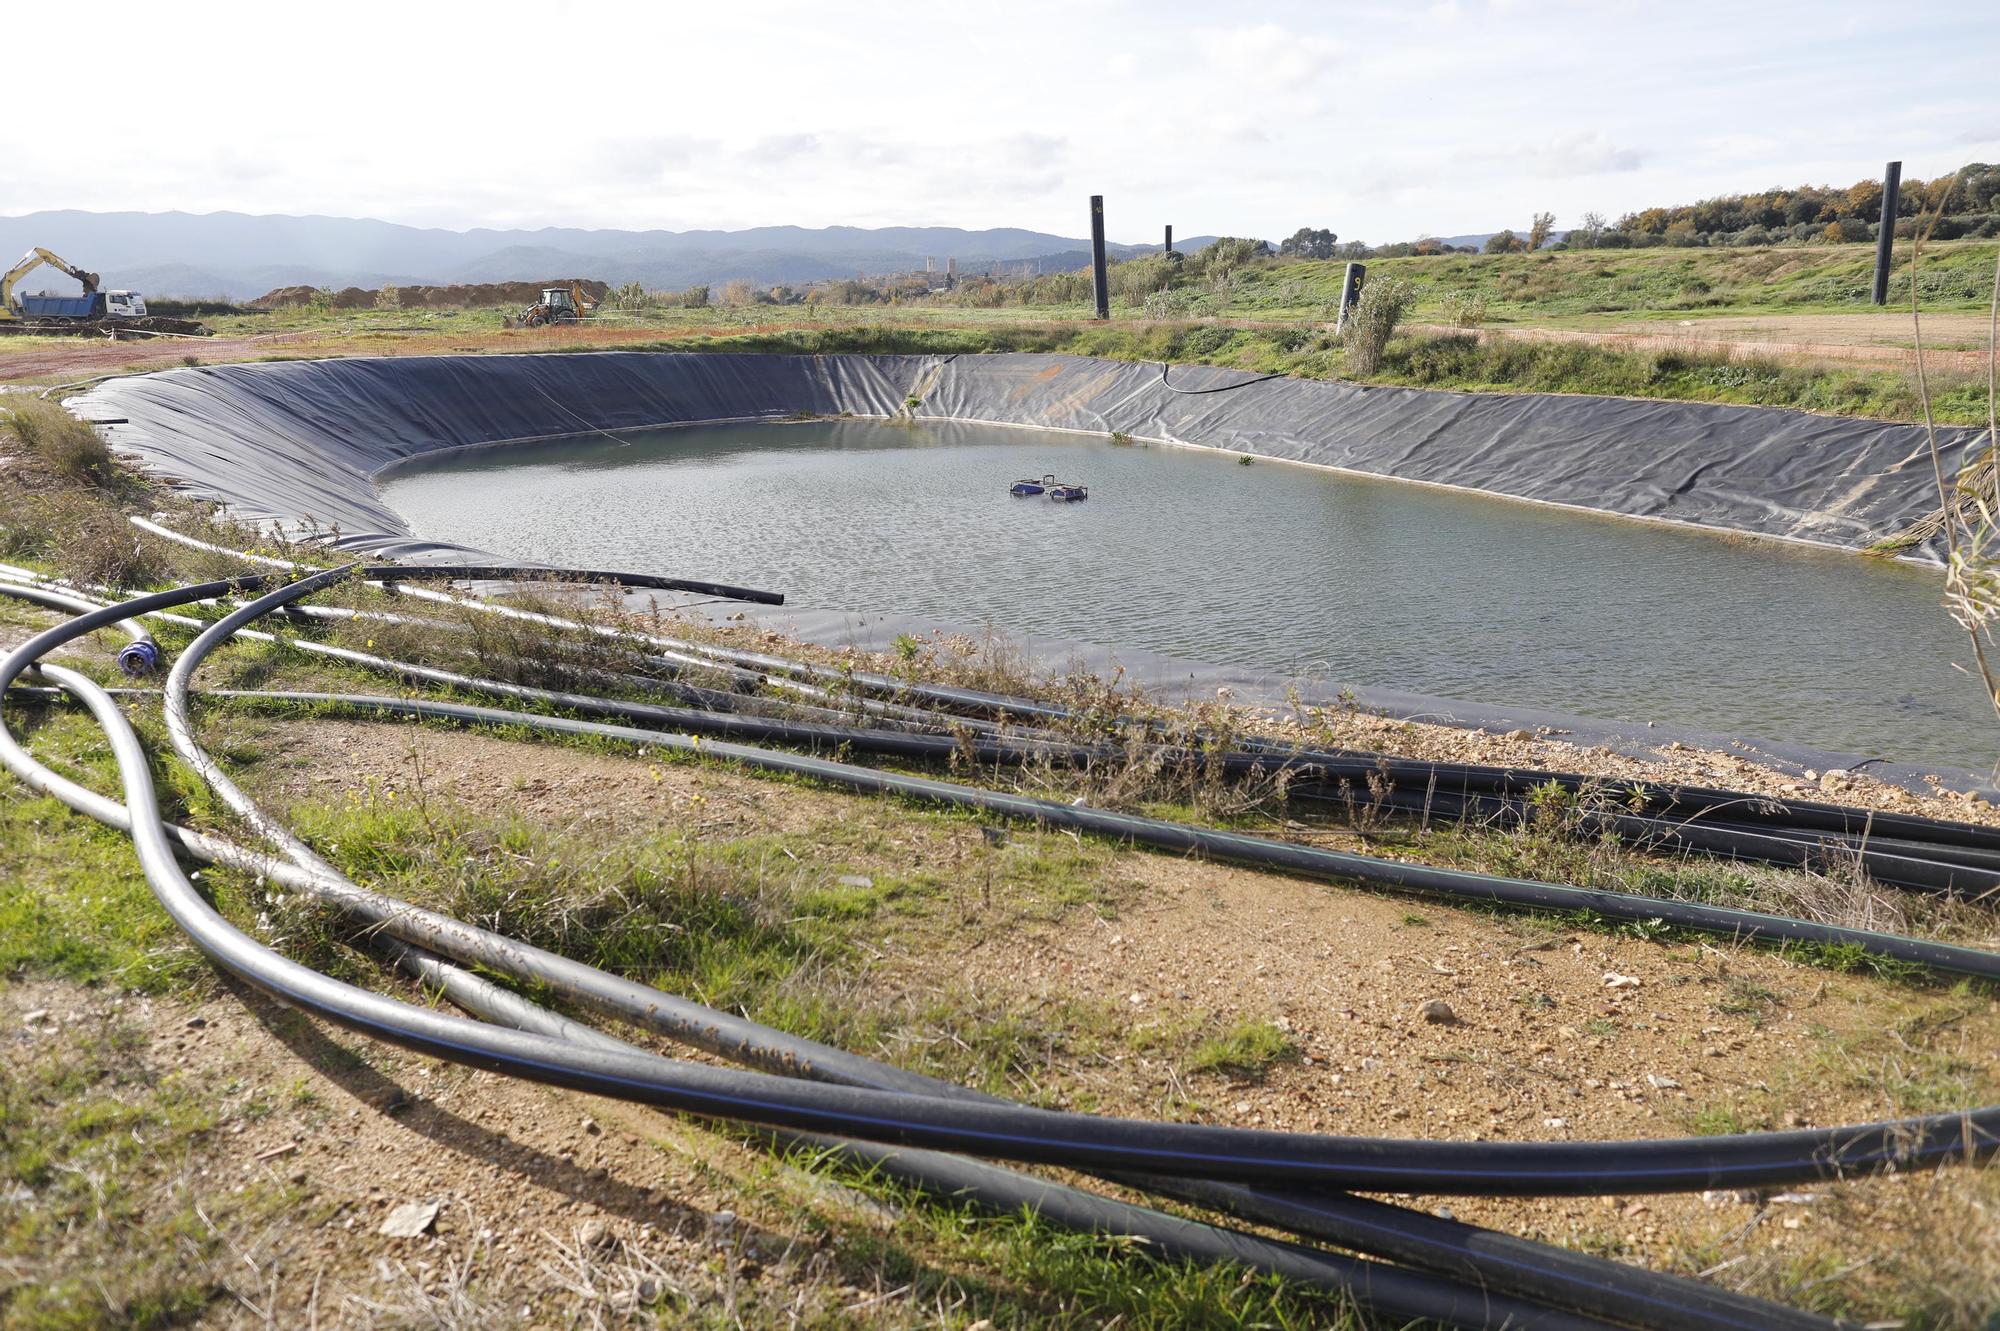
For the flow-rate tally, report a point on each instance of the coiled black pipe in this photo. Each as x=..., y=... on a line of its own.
x=1949, y=869
x=517, y=573
x=1388, y=1289
x=1945, y=871
x=1245, y=1155
x=1325, y=1210
x=645, y=738
x=138, y=657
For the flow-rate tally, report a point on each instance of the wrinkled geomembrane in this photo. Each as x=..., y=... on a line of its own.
x=295, y=445
x=299, y=441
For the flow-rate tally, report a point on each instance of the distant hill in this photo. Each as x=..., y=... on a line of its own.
x=1478, y=239
x=238, y=256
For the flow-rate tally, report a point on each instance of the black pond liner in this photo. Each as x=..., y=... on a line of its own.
x=296, y=445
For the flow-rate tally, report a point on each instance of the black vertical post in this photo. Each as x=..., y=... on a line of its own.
x=1885, y=237
x=1170, y=237
x=1100, y=283
x=1350, y=292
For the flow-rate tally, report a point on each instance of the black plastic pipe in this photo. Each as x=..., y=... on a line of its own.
x=1081, y=1140
x=373, y=700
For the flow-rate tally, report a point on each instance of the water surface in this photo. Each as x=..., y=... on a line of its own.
x=1272, y=566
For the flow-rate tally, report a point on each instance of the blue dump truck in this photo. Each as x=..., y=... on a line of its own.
x=93, y=305
x=111, y=312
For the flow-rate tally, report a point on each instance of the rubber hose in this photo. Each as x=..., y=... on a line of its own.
x=953, y=1178
x=1427, y=1241
x=1079, y=1139
x=1262, y=852
x=11, y=662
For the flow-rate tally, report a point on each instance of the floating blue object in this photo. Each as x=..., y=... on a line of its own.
x=1068, y=494
x=1032, y=487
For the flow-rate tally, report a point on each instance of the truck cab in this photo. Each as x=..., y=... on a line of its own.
x=124, y=305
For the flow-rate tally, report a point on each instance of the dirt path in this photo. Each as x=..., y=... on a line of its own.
x=1853, y=339
x=1540, y=1044
x=48, y=361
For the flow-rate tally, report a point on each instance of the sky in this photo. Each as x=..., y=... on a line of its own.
x=1380, y=121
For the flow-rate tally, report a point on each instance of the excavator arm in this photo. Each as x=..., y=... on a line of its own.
x=33, y=259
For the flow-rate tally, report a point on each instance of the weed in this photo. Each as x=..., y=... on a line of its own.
x=1463, y=309
x=70, y=447
x=1384, y=301
x=1747, y=998
x=99, y=1142
x=1247, y=1049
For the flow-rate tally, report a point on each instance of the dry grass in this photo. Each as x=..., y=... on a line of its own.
x=79, y=531
x=70, y=448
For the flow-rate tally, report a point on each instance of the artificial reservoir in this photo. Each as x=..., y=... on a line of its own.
x=1274, y=566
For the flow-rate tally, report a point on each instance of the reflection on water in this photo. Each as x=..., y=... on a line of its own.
x=1270, y=566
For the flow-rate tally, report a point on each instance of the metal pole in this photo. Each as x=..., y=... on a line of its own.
x=1100, y=283
x=1885, y=231
x=1170, y=237
x=1350, y=292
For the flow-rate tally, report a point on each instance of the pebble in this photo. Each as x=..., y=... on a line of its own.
x=1518, y=734
x=594, y=1234
x=1613, y=980
x=39, y=1014
x=410, y=1220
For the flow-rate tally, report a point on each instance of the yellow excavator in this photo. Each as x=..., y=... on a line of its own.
x=93, y=311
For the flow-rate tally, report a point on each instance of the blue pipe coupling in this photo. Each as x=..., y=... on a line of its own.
x=139, y=659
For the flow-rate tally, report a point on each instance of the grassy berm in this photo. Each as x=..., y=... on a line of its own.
x=175, y=1151
x=1777, y=326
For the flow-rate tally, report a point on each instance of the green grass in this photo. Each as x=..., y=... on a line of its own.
x=1521, y=287
x=1459, y=362
x=104, y=1143
x=73, y=902
x=1247, y=1049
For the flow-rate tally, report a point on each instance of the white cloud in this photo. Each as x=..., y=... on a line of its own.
x=1269, y=56
x=1566, y=155
x=1377, y=118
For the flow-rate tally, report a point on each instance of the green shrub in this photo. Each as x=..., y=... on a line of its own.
x=1462, y=308
x=1382, y=306
x=81, y=532
x=1206, y=340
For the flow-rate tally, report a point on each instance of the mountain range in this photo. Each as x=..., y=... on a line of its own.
x=239, y=256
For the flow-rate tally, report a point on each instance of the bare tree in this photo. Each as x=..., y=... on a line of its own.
x=1539, y=229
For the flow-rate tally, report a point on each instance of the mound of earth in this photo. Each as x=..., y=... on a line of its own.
x=461, y=295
